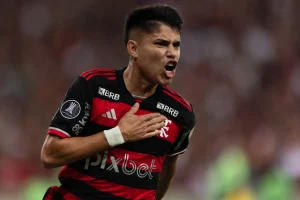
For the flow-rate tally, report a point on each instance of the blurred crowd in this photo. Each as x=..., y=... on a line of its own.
x=239, y=68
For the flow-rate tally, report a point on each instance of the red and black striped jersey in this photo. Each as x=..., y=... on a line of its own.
x=96, y=101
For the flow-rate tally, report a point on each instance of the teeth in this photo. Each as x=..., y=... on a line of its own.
x=170, y=65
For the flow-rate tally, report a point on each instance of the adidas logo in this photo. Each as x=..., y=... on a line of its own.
x=110, y=114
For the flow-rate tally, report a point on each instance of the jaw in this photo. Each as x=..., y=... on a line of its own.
x=164, y=80
x=155, y=75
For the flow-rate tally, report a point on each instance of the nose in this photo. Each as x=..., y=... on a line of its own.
x=172, y=52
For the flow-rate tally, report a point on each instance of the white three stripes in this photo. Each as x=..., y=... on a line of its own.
x=110, y=114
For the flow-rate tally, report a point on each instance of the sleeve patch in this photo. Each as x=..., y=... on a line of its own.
x=70, y=109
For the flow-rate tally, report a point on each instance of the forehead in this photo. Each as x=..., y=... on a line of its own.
x=163, y=32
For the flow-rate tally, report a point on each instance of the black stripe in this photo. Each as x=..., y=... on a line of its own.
x=86, y=192
x=93, y=128
x=120, y=177
x=56, y=195
x=47, y=193
x=123, y=99
x=153, y=146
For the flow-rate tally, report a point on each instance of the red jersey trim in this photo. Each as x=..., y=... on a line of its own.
x=110, y=74
x=178, y=98
x=58, y=132
x=66, y=195
x=112, y=188
x=95, y=70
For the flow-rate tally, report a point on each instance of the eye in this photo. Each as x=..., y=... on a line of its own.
x=162, y=43
x=176, y=44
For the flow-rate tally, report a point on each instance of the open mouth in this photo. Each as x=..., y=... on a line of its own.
x=170, y=66
x=170, y=69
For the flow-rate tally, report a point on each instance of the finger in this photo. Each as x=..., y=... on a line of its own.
x=151, y=134
x=155, y=121
x=154, y=127
x=149, y=116
x=134, y=108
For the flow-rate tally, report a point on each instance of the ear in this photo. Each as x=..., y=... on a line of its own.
x=132, y=48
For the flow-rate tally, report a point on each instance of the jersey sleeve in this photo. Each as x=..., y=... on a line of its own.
x=73, y=114
x=182, y=141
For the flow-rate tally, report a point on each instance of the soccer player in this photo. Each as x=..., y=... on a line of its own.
x=118, y=133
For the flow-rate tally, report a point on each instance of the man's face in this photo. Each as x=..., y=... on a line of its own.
x=158, y=54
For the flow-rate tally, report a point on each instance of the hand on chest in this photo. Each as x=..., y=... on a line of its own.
x=109, y=113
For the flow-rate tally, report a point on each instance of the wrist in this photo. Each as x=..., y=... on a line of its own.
x=114, y=136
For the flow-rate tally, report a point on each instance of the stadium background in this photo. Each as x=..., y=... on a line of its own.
x=239, y=67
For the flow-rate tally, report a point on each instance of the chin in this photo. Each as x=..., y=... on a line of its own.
x=165, y=82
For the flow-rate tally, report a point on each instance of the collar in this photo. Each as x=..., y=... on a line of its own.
x=121, y=84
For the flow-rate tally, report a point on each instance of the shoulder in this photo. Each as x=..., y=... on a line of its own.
x=175, y=96
x=184, y=108
x=93, y=78
x=99, y=73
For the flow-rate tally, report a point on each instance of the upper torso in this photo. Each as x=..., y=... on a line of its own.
x=130, y=170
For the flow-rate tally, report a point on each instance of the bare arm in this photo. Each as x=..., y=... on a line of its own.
x=57, y=152
x=166, y=176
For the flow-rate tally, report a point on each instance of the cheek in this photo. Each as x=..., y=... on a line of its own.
x=151, y=60
x=146, y=56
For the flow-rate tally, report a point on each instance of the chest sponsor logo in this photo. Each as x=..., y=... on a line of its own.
x=70, y=109
x=106, y=93
x=121, y=164
x=167, y=109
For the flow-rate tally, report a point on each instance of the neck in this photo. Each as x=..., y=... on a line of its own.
x=136, y=83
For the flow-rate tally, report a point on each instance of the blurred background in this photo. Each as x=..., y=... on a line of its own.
x=239, y=68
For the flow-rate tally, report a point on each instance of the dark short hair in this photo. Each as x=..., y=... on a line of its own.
x=147, y=18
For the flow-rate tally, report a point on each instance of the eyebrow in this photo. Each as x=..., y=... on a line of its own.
x=177, y=42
